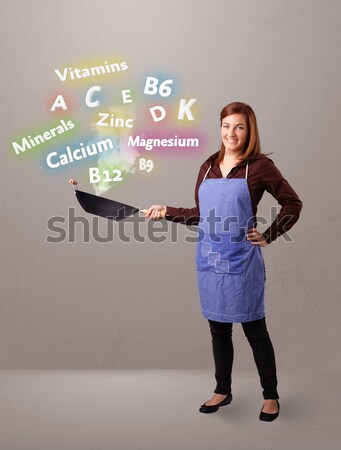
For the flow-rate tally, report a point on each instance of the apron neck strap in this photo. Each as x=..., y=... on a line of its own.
x=247, y=169
x=246, y=174
x=206, y=173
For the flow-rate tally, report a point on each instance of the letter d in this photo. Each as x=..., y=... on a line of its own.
x=161, y=109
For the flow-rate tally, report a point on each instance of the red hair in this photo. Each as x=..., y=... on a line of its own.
x=252, y=147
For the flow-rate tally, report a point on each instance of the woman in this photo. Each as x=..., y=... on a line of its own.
x=230, y=265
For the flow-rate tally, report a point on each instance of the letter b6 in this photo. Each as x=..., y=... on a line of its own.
x=151, y=87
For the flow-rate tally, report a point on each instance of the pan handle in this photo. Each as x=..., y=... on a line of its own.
x=74, y=183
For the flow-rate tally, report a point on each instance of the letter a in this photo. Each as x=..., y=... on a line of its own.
x=59, y=103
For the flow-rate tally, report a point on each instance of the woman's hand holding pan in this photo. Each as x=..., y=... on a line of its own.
x=155, y=212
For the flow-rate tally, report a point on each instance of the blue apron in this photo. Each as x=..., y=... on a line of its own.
x=231, y=271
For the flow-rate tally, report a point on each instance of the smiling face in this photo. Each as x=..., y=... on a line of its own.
x=234, y=133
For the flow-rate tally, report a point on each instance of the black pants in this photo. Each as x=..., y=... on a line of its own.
x=263, y=353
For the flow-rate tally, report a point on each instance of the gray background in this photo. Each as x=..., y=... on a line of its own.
x=136, y=306
x=127, y=306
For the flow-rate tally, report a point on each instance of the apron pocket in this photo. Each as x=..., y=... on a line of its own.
x=221, y=257
x=222, y=266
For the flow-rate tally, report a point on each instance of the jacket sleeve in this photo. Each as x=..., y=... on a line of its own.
x=291, y=205
x=187, y=216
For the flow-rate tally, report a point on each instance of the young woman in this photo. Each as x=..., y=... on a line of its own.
x=230, y=265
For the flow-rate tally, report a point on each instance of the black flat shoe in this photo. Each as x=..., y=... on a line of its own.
x=267, y=417
x=207, y=409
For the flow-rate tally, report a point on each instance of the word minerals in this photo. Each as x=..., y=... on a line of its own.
x=29, y=141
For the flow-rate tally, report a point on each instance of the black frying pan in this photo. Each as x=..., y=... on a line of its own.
x=103, y=207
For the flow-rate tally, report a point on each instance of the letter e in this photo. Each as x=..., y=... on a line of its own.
x=126, y=96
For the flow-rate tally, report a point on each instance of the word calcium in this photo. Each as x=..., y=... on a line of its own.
x=55, y=160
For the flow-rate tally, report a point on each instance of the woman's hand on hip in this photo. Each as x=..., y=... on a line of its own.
x=155, y=212
x=256, y=237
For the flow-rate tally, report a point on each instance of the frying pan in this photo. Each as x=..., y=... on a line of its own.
x=103, y=207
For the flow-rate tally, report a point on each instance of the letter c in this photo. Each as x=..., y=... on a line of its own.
x=88, y=97
x=48, y=160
